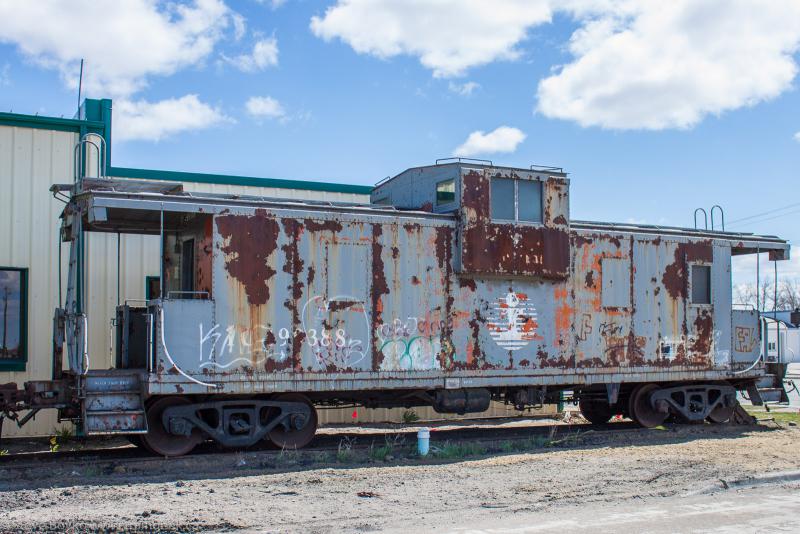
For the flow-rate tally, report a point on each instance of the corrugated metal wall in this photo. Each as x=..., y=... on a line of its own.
x=30, y=161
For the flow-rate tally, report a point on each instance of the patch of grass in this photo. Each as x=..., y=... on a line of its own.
x=457, y=451
x=778, y=416
x=410, y=416
x=386, y=451
x=4, y=452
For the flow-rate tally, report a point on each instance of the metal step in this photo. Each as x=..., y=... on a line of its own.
x=771, y=394
x=122, y=401
x=115, y=422
x=110, y=383
x=766, y=382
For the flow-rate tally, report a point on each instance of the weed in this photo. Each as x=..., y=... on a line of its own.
x=54, y=445
x=4, y=452
x=63, y=434
x=410, y=416
x=344, y=452
x=391, y=443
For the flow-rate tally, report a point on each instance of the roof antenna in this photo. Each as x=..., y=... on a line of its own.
x=80, y=86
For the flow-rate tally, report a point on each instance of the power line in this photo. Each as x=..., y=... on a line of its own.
x=774, y=217
x=768, y=212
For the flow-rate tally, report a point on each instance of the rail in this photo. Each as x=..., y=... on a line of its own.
x=459, y=160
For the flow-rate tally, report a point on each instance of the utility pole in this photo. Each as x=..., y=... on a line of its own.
x=5, y=320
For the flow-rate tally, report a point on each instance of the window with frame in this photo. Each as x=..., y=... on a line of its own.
x=13, y=318
x=445, y=192
x=701, y=284
x=516, y=200
x=152, y=287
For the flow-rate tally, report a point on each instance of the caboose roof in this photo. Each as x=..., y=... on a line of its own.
x=137, y=204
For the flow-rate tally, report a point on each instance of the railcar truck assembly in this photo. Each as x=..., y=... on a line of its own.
x=460, y=283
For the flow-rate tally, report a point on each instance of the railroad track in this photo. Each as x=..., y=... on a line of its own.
x=133, y=457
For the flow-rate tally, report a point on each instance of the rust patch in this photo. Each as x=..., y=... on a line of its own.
x=560, y=220
x=378, y=289
x=701, y=343
x=251, y=240
x=467, y=282
x=339, y=305
x=444, y=256
x=415, y=281
x=590, y=279
x=313, y=225
x=293, y=266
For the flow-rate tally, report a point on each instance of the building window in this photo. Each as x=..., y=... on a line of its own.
x=13, y=319
x=701, y=284
x=445, y=192
x=152, y=287
x=516, y=200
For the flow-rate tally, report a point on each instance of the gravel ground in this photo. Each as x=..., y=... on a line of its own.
x=356, y=493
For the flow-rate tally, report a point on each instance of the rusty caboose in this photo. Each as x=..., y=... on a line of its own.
x=459, y=283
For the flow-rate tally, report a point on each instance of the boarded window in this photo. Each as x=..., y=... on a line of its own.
x=13, y=319
x=615, y=273
x=503, y=199
x=529, y=200
x=445, y=192
x=701, y=284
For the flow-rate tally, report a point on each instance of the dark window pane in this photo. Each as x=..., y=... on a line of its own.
x=445, y=192
x=10, y=315
x=530, y=200
x=503, y=199
x=701, y=284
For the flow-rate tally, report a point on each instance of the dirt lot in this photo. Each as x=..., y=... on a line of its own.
x=387, y=487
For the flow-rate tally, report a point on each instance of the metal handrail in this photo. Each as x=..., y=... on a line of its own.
x=459, y=160
x=206, y=293
x=721, y=213
x=79, y=158
x=535, y=167
x=705, y=219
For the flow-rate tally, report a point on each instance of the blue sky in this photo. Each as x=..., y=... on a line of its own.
x=653, y=109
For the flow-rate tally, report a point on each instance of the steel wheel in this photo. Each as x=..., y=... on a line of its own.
x=158, y=440
x=640, y=409
x=721, y=414
x=595, y=411
x=302, y=432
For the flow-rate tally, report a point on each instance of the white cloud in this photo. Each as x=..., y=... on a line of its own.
x=264, y=54
x=153, y=121
x=448, y=36
x=636, y=64
x=123, y=44
x=655, y=65
x=797, y=137
x=463, y=89
x=265, y=107
x=502, y=139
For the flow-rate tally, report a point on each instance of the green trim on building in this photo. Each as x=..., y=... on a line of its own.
x=175, y=176
x=19, y=363
x=51, y=123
